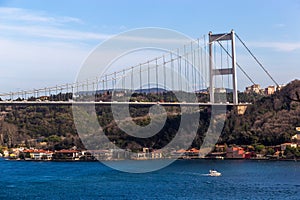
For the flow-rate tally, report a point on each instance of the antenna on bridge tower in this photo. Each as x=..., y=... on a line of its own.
x=223, y=71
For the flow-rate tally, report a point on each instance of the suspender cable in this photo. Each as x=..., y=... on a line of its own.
x=195, y=68
x=148, y=77
x=200, y=65
x=164, y=68
x=132, y=86
x=187, y=78
x=185, y=65
x=215, y=62
x=114, y=81
x=192, y=66
x=221, y=63
x=205, y=61
x=172, y=71
x=123, y=81
x=106, y=82
x=156, y=66
x=257, y=60
x=97, y=84
x=179, y=71
x=93, y=89
x=87, y=86
x=227, y=64
x=237, y=64
x=195, y=71
x=140, y=78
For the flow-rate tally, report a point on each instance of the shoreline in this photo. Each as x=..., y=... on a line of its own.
x=114, y=160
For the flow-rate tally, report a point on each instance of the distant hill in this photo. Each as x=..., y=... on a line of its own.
x=150, y=90
x=228, y=90
x=146, y=91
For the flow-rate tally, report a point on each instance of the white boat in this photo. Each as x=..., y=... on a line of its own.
x=214, y=173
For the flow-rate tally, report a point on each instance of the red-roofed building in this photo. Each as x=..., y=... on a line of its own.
x=235, y=152
x=192, y=152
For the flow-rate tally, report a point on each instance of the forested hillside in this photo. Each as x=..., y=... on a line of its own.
x=270, y=120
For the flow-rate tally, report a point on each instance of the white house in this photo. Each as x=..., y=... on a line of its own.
x=296, y=138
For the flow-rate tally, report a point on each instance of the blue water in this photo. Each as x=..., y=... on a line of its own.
x=184, y=179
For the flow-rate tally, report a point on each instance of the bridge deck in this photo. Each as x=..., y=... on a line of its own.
x=69, y=103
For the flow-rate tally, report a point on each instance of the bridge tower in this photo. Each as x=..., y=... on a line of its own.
x=213, y=71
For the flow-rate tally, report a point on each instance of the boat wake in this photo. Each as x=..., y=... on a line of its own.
x=204, y=174
x=212, y=173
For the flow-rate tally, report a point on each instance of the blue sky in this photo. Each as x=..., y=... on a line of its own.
x=43, y=43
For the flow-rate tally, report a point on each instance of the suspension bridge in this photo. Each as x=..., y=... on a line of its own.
x=205, y=65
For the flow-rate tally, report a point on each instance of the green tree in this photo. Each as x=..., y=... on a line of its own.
x=54, y=138
x=259, y=148
x=270, y=151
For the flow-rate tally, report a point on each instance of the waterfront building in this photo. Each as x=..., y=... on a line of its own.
x=38, y=154
x=220, y=148
x=119, y=154
x=156, y=154
x=193, y=152
x=235, y=152
x=66, y=155
x=102, y=154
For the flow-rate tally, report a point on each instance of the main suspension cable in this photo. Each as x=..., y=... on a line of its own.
x=256, y=60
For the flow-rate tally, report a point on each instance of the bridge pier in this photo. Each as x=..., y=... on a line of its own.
x=213, y=71
x=241, y=109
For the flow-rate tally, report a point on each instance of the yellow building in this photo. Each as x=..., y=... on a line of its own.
x=270, y=90
x=253, y=88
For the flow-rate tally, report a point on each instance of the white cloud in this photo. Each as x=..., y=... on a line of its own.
x=23, y=23
x=52, y=32
x=277, y=46
x=23, y=15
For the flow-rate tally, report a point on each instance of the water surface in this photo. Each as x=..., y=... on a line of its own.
x=184, y=179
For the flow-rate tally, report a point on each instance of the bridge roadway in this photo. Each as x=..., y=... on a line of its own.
x=78, y=103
